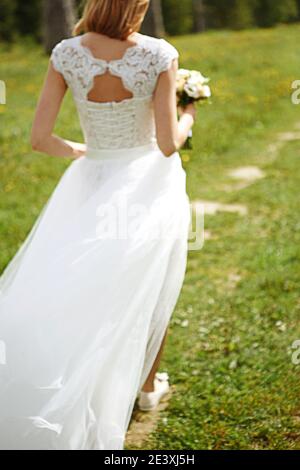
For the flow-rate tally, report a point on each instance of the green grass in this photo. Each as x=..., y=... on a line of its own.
x=236, y=386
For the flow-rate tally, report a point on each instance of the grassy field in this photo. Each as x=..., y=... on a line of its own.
x=229, y=348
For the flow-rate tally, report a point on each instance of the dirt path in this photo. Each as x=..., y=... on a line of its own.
x=144, y=423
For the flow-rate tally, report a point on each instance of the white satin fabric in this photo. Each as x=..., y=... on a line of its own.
x=85, y=303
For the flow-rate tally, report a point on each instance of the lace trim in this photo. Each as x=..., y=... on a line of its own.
x=138, y=68
x=168, y=54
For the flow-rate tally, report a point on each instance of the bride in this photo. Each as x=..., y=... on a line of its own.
x=85, y=303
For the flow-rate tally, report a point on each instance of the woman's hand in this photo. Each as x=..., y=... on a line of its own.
x=188, y=109
x=79, y=150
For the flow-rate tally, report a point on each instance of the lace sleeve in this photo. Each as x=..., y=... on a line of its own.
x=167, y=54
x=56, y=58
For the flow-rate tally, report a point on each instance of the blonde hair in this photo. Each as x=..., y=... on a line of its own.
x=113, y=18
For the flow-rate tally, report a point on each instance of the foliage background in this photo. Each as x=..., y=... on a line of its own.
x=24, y=18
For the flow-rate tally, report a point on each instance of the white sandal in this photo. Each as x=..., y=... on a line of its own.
x=150, y=400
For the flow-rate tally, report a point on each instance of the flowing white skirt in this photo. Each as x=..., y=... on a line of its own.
x=86, y=301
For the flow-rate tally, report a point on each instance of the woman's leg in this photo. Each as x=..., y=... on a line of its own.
x=149, y=384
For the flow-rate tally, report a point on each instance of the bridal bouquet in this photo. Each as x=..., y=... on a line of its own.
x=191, y=86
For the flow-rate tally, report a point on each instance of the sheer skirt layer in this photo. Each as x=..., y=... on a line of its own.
x=85, y=303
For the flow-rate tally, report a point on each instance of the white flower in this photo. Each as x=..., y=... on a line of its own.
x=198, y=77
x=281, y=326
x=233, y=364
x=183, y=73
x=193, y=83
x=205, y=91
x=192, y=90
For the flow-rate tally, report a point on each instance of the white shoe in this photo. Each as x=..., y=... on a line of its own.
x=150, y=400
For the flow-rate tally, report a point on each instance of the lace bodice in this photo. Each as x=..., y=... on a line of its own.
x=126, y=124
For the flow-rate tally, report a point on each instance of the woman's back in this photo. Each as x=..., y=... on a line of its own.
x=114, y=92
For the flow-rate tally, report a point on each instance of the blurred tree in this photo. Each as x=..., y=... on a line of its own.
x=28, y=17
x=80, y=6
x=178, y=16
x=242, y=14
x=270, y=12
x=20, y=17
x=236, y=14
x=59, y=19
x=7, y=19
x=153, y=24
x=199, y=16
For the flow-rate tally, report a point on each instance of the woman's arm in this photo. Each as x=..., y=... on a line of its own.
x=42, y=138
x=171, y=133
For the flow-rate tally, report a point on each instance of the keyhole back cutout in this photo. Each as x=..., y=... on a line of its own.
x=107, y=87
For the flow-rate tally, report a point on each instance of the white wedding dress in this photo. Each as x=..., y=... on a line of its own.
x=86, y=301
